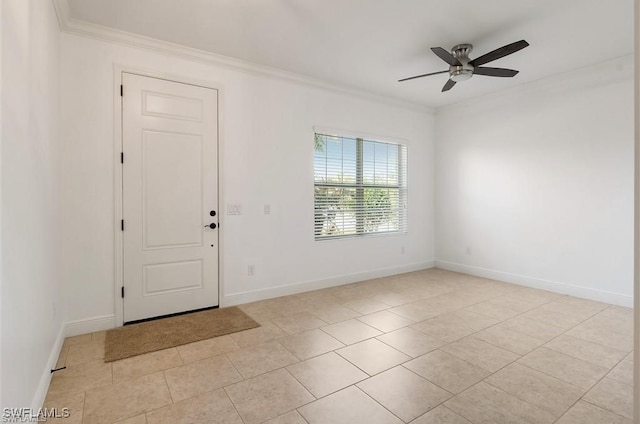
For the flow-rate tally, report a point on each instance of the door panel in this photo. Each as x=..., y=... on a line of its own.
x=165, y=278
x=171, y=189
x=159, y=104
x=169, y=174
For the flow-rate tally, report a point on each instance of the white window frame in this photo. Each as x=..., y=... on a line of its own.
x=359, y=186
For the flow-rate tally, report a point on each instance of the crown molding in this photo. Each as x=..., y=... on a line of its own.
x=87, y=29
x=611, y=71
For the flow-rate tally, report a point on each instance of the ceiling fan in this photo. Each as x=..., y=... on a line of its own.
x=462, y=68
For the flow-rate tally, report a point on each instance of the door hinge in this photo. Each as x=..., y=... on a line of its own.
x=121, y=90
x=121, y=157
x=122, y=224
x=122, y=291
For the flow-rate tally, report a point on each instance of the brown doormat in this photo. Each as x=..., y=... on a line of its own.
x=136, y=339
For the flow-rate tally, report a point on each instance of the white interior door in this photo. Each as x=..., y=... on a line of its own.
x=170, y=197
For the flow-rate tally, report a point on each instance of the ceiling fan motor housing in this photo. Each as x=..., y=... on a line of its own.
x=464, y=71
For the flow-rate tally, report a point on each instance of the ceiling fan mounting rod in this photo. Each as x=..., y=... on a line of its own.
x=462, y=51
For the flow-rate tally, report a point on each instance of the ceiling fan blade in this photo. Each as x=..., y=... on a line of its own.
x=423, y=75
x=495, y=72
x=449, y=85
x=446, y=56
x=498, y=53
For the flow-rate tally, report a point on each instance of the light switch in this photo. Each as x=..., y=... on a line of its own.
x=234, y=209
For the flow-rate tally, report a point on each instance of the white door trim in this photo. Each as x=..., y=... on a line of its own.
x=118, y=69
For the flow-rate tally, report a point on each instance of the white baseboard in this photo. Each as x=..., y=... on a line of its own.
x=72, y=328
x=89, y=325
x=539, y=283
x=45, y=379
x=288, y=289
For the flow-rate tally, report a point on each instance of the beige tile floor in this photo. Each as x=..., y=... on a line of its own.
x=425, y=347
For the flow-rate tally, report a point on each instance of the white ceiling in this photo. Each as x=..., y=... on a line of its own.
x=370, y=44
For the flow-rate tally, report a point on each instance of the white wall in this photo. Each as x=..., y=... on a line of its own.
x=266, y=151
x=537, y=182
x=31, y=306
x=636, y=270
x=1, y=136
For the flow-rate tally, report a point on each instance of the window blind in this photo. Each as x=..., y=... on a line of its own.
x=360, y=187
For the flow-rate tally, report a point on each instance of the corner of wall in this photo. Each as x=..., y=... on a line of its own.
x=89, y=325
x=539, y=283
x=1, y=138
x=636, y=230
x=45, y=379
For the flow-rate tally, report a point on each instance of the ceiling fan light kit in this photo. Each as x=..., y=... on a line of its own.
x=461, y=67
x=464, y=71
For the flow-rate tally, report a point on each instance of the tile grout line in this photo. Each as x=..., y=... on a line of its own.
x=84, y=401
x=592, y=387
x=438, y=386
x=166, y=383
x=235, y=408
x=606, y=409
x=335, y=391
x=308, y=389
x=381, y=405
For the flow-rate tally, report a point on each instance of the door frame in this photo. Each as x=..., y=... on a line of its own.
x=118, y=269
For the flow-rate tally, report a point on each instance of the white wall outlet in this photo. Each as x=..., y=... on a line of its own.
x=251, y=270
x=468, y=251
x=234, y=209
x=402, y=250
x=267, y=209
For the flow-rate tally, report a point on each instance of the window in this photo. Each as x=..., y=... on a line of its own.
x=360, y=187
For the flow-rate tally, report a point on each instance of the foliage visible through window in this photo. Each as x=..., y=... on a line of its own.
x=360, y=187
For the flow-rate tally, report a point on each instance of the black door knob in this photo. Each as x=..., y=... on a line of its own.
x=212, y=226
